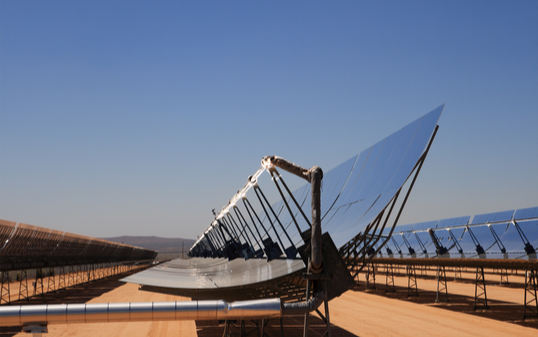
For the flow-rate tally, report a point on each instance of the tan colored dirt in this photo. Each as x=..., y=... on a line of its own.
x=126, y=293
x=366, y=314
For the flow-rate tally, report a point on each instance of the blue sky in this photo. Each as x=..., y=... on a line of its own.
x=138, y=118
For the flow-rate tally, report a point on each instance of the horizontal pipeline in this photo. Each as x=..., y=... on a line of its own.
x=26, y=315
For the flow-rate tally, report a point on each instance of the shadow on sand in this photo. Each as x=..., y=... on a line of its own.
x=292, y=327
x=498, y=310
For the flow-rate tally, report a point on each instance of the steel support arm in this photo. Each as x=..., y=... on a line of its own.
x=314, y=177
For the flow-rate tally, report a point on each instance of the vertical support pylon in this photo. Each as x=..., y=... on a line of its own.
x=51, y=280
x=93, y=277
x=441, y=284
x=423, y=271
x=61, y=279
x=38, y=284
x=389, y=280
x=23, y=285
x=326, y=318
x=411, y=281
x=480, y=298
x=457, y=274
x=70, y=276
x=308, y=285
x=5, y=296
x=530, y=298
x=370, y=277
x=504, y=277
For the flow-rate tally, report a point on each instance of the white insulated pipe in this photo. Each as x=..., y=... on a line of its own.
x=26, y=315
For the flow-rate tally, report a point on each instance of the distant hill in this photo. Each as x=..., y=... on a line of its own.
x=167, y=248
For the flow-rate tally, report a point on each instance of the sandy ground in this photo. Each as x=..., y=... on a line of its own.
x=366, y=314
x=355, y=313
x=126, y=293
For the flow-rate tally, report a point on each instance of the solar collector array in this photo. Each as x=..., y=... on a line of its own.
x=500, y=235
x=26, y=246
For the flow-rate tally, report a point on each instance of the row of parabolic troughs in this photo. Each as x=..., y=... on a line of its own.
x=508, y=234
x=27, y=246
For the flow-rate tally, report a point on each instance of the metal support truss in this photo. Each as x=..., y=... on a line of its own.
x=293, y=199
x=531, y=302
x=4, y=290
x=439, y=248
x=71, y=277
x=275, y=176
x=389, y=279
x=61, y=279
x=529, y=249
x=259, y=328
x=479, y=248
x=23, y=285
x=504, y=277
x=421, y=244
x=480, y=296
x=370, y=277
x=409, y=248
x=396, y=245
x=307, y=297
x=457, y=273
x=497, y=240
x=411, y=281
x=291, y=251
x=455, y=242
x=245, y=225
x=326, y=317
x=51, y=280
x=272, y=250
x=423, y=271
x=38, y=283
x=441, y=284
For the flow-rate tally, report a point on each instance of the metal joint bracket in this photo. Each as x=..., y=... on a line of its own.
x=36, y=330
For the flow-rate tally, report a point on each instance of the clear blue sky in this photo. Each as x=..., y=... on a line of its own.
x=138, y=117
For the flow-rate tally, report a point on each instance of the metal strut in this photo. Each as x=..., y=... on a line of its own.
x=314, y=177
x=530, y=294
x=396, y=245
x=455, y=241
x=389, y=279
x=23, y=285
x=480, y=298
x=275, y=177
x=291, y=252
x=244, y=223
x=256, y=188
x=479, y=249
x=271, y=249
x=441, y=284
x=529, y=249
x=370, y=277
x=411, y=280
x=497, y=240
x=5, y=296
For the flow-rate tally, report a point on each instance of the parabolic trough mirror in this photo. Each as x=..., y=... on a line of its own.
x=257, y=249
